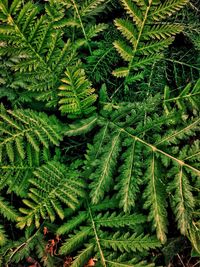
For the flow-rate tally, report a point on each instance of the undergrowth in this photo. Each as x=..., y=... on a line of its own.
x=99, y=143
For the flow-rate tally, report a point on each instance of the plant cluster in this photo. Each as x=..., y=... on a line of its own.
x=99, y=143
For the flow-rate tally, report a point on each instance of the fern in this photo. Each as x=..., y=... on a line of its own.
x=76, y=93
x=188, y=94
x=99, y=183
x=16, y=175
x=31, y=38
x=144, y=41
x=7, y=210
x=3, y=237
x=89, y=223
x=183, y=201
x=102, y=161
x=51, y=187
x=25, y=126
x=156, y=198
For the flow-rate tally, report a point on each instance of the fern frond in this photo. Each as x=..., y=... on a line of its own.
x=133, y=263
x=120, y=220
x=75, y=240
x=130, y=175
x=127, y=29
x=161, y=31
x=124, y=50
x=183, y=199
x=53, y=184
x=76, y=93
x=167, y=9
x=7, y=210
x=123, y=128
x=129, y=243
x=105, y=170
x=156, y=199
x=72, y=224
x=133, y=10
x=142, y=34
x=83, y=256
x=87, y=231
x=180, y=134
x=16, y=175
x=39, y=51
x=92, y=7
x=3, y=236
x=82, y=127
x=25, y=126
x=190, y=94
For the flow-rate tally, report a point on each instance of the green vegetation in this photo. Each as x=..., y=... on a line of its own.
x=99, y=143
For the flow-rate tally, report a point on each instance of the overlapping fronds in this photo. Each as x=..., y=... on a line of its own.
x=85, y=231
x=187, y=98
x=53, y=184
x=121, y=147
x=39, y=51
x=20, y=127
x=104, y=176
x=145, y=37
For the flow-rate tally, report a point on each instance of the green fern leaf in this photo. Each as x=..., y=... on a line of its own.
x=3, y=236
x=26, y=126
x=7, y=210
x=130, y=178
x=129, y=243
x=133, y=10
x=183, y=200
x=103, y=174
x=51, y=187
x=114, y=220
x=76, y=93
x=156, y=199
x=167, y=9
x=83, y=256
x=75, y=240
x=143, y=29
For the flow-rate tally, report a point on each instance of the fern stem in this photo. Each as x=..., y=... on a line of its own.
x=177, y=133
x=102, y=57
x=154, y=148
x=23, y=244
x=180, y=162
x=96, y=237
x=180, y=184
x=181, y=63
x=194, y=155
x=82, y=27
x=180, y=97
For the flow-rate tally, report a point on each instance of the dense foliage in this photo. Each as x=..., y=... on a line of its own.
x=99, y=143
